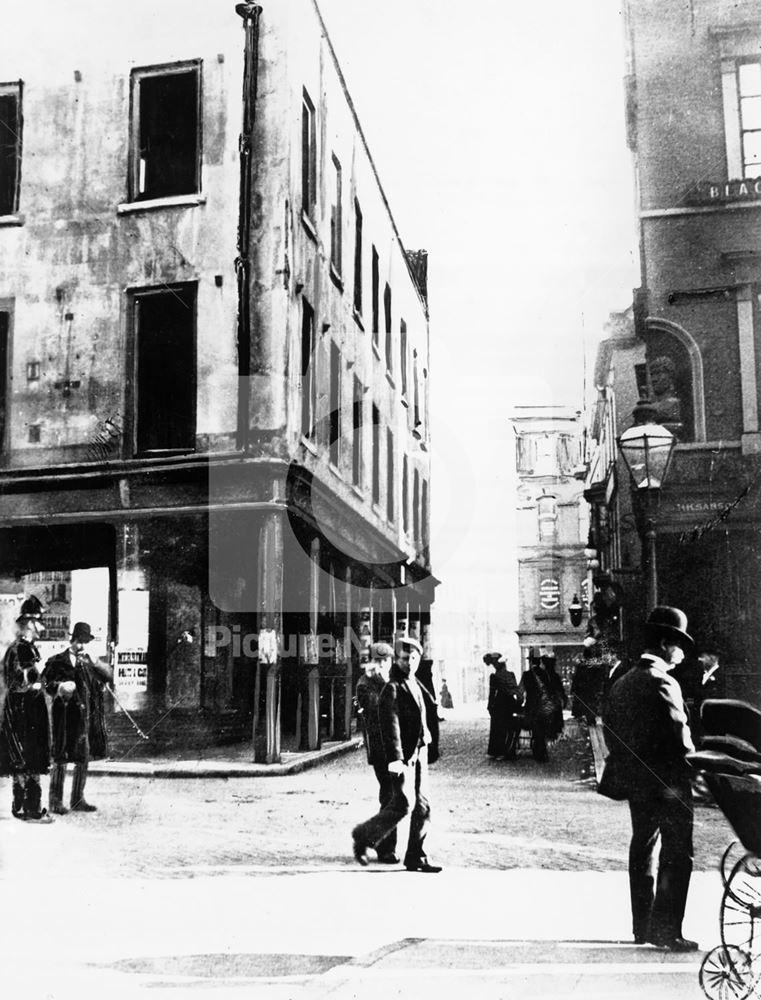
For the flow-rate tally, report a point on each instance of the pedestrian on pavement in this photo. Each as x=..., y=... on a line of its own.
x=369, y=688
x=503, y=706
x=699, y=679
x=25, y=730
x=545, y=699
x=650, y=738
x=445, y=696
x=76, y=685
x=406, y=710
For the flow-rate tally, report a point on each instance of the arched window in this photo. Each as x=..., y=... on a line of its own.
x=673, y=379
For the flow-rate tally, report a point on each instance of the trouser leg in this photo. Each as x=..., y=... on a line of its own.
x=19, y=780
x=55, y=793
x=421, y=814
x=78, y=784
x=374, y=830
x=32, y=795
x=675, y=863
x=641, y=865
x=538, y=741
x=385, y=794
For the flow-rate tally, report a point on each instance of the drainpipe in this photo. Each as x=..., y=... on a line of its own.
x=250, y=13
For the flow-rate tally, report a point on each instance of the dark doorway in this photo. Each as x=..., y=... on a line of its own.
x=165, y=369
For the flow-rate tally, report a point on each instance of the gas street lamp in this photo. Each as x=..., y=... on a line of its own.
x=575, y=611
x=646, y=448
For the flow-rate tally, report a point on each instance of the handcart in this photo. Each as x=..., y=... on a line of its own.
x=729, y=759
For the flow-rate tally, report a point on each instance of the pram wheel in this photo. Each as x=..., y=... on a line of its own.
x=725, y=974
x=729, y=859
x=741, y=906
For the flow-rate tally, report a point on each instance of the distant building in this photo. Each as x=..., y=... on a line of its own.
x=692, y=346
x=214, y=365
x=552, y=527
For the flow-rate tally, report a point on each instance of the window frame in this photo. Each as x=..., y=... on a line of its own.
x=737, y=45
x=336, y=218
x=388, y=328
x=137, y=75
x=15, y=89
x=376, y=454
x=334, y=416
x=390, y=477
x=308, y=382
x=308, y=157
x=358, y=220
x=357, y=432
x=376, y=297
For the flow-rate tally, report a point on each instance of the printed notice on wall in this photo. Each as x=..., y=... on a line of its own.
x=131, y=665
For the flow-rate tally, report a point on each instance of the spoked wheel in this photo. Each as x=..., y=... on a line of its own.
x=729, y=859
x=741, y=907
x=726, y=974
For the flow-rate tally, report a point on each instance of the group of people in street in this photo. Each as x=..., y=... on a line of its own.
x=535, y=704
x=401, y=725
x=53, y=715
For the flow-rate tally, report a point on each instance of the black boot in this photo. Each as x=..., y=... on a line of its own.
x=18, y=799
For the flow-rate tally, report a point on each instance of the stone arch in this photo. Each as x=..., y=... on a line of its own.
x=664, y=337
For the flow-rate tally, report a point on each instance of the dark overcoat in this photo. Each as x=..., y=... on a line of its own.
x=402, y=716
x=368, y=695
x=79, y=731
x=25, y=729
x=647, y=731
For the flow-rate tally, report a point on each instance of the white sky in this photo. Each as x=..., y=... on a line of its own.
x=498, y=132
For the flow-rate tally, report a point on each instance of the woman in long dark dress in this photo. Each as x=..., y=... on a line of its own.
x=503, y=706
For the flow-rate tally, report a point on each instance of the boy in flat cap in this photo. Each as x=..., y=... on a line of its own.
x=75, y=683
x=405, y=708
x=369, y=688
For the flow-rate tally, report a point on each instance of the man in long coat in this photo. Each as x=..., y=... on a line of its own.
x=25, y=731
x=649, y=737
x=76, y=685
x=405, y=708
x=369, y=688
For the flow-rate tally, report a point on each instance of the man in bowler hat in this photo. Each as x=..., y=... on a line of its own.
x=369, y=688
x=404, y=708
x=75, y=684
x=649, y=739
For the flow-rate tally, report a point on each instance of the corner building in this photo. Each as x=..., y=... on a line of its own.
x=693, y=99
x=214, y=366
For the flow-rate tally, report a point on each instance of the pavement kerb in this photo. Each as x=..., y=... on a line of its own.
x=222, y=768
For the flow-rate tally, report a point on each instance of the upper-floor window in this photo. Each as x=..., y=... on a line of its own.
x=165, y=151
x=749, y=93
x=389, y=337
x=405, y=494
x=308, y=157
x=336, y=213
x=10, y=147
x=358, y=431
x=403, y=356
x=357, y=257
x=547, y=508
x=308, y=375
x=376, y=454
x=376, y=294
x=390, y=477
x=334, y=423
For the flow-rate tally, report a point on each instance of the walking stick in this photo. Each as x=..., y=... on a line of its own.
x=135, y=726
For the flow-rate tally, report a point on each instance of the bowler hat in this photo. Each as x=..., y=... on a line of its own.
x=31, y=608
x=380, y=650
x=81, y=633
x=664, y=622
x=407, y=642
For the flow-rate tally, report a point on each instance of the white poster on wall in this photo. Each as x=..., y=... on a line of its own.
x=131, y=666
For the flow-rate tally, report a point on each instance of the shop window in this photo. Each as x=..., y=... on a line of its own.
x=10, y=147
x=165, y=158
x=165, y=368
